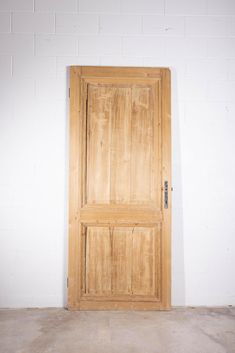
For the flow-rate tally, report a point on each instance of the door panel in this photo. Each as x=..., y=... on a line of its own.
x=143, y=267
x=142, y=138
x=120, y=162
x=119, y=246
x=121, y=261
x=97, y=261
x=120, y=173
x=98, y=144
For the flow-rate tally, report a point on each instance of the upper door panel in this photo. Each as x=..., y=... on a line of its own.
x=123, y=143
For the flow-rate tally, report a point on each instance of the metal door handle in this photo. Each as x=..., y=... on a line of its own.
x=165, y=194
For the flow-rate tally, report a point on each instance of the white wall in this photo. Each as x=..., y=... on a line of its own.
x=38, y=41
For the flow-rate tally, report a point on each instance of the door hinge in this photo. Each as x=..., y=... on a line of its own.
x=69, y=92
x=67, y=282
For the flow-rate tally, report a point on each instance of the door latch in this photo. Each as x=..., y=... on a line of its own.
x=165, y=194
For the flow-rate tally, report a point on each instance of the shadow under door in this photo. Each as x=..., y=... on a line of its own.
x=120, y=202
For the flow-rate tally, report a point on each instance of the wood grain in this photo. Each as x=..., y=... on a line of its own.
x=74, y=187
x=98, y=261
x=141, y=145
x=143, y=264
x=121, y=261
x=120, y=146
x=120, y=161
x=166, y=175
x=98, y=144
x=120, y=156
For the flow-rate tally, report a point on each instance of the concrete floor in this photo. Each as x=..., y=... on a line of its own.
x=182, y=330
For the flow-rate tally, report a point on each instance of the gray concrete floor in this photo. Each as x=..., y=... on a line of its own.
x=182, y=330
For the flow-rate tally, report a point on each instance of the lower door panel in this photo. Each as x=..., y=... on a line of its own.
x=121, y=264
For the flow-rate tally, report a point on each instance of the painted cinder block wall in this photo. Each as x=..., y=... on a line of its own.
x=39, y=39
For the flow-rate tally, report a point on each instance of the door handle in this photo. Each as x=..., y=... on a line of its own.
x=166, y=194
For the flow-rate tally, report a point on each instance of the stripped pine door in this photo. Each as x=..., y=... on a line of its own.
x=120, y=207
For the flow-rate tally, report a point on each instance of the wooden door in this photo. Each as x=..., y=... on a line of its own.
x=120, y=207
